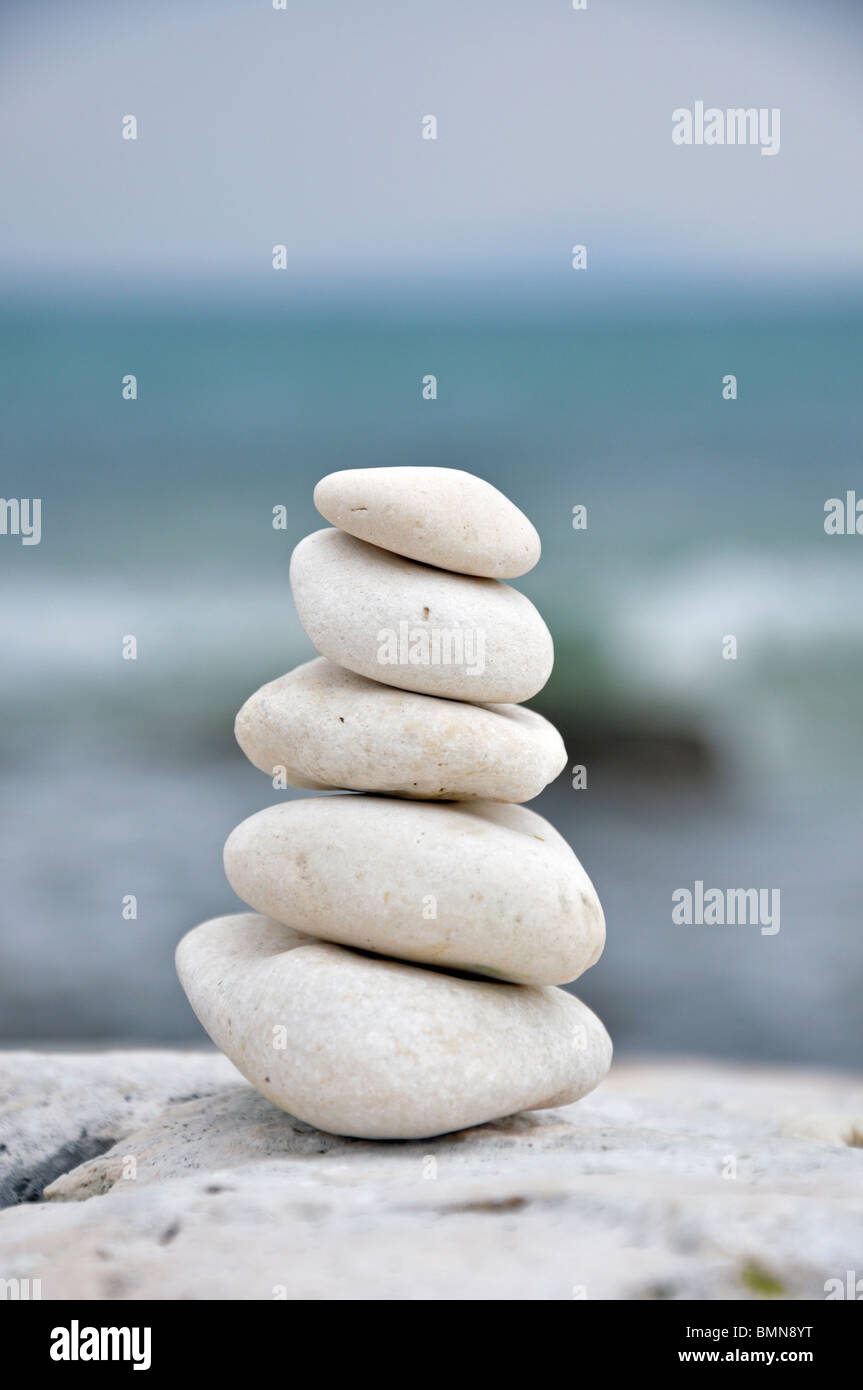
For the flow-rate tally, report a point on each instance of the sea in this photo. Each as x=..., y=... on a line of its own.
x=691, y=757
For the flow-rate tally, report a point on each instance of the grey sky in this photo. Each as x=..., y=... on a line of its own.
x=303, y=126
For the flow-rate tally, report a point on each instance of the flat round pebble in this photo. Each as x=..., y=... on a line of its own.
x=322, y=726
x=378, y=1049
x=476, y=885
x=418, y=628
x=441, y=516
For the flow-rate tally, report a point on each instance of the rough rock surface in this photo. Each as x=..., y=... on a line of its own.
x=672, y=1180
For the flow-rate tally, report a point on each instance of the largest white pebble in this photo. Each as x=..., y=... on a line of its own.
x=377, y=1049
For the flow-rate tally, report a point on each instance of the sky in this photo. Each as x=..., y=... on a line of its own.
x=302, y=127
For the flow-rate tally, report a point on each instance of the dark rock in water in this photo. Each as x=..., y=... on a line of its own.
x=636, y=751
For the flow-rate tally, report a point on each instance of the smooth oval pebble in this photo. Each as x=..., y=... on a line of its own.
x=380, y=1050
x=418, y=628
x=328, y=727
x=474, y=885
x=441, y=516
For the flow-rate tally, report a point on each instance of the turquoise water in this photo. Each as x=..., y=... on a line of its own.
x=705, y=518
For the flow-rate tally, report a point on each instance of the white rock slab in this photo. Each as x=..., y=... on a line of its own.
x=234, y=1199
x=58, y=1109
x=322, y=727
x=416, y=627
x=476, y=886
x=373, y=1048
x=440, y=516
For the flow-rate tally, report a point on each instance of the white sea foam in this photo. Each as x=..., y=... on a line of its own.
x=61, y=634
x=671, y=624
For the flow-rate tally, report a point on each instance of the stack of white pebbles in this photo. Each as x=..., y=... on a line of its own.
x=401, y=980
